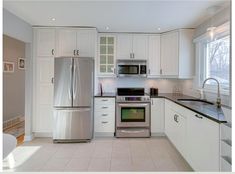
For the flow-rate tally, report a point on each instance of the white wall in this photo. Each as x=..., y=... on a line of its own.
x=16, y=27
x=19, y=29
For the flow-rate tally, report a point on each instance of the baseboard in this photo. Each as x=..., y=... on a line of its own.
x=43, y=134
x=28, y=137
x=103, y=134
x=159, y=134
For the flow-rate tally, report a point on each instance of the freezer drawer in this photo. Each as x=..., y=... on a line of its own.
x=73, y=125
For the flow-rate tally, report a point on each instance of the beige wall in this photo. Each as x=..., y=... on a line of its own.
x=13, y=83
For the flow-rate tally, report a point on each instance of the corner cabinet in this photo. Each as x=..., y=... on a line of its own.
x=76, y=42
x=132, y=46
x=107, y=55
x=177, y=54
x=196, y=137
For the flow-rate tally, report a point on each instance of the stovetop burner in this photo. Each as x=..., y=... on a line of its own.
x=132, y=95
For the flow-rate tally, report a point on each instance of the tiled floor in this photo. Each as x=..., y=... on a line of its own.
x=101, y=154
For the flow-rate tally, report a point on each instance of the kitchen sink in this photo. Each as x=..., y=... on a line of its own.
x=198, y=101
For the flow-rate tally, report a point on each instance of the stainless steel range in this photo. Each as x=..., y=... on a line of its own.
x=133, y=113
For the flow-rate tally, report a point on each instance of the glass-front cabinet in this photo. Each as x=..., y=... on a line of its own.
x=107, y=55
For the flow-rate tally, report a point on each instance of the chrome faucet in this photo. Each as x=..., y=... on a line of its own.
x=218, y=100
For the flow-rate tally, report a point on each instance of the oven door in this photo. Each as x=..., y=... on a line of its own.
x=133, y=115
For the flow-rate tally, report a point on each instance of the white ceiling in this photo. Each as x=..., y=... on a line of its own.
x=119, y=16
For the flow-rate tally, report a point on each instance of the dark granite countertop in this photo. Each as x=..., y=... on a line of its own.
x=109, y=94
x=207, y=110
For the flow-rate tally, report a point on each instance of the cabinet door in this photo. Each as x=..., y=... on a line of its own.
x=154, y=56
x=67, y=42
x=202, y=143
x=107, y=55
x=157, y=115
x=140, y=46
x=175, y=129
x=45, y=42
x=170, y=54
x=86, y=43
x=124, y=46
x=44, y=95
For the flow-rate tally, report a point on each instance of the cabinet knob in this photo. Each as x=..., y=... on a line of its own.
x=149, y=71
x=130, y=55
x=52, y=80
x=133, y=55
x=78, y=52
x=176, y=118
x=104, y=122
x=74, y=52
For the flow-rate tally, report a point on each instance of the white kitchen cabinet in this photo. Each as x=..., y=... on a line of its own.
x=76, y=42
x=175, y=128
x=104, y=116
x=44, y=50
x=45, y=42
x=132, y=46
x=107, y=55
x=177, y=54
x=157, y=116
x=154, y=56
x=203, y=143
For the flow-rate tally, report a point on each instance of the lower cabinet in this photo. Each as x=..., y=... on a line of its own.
x=104, y=116
x=203, y=143
x=195, y=136
x=175, y=129
x=157, y=116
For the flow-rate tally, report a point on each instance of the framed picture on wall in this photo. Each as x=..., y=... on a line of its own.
x=21, y=63
x=8, y=67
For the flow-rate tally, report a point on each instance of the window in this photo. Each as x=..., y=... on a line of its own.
x=217, y=61
x=214, y=60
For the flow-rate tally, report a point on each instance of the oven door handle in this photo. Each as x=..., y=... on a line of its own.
x=137, y=131
x=135, y=104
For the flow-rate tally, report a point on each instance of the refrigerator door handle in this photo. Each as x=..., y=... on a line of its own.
x=74, y=81
x=70, y=89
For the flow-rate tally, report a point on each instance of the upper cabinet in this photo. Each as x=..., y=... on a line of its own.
x=132, y=46
x=177, y=58
x=45, y=42
x=76, y=42
x=154, y=58
x=107, y=53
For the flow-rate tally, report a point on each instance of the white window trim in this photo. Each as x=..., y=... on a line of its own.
x=200, y=41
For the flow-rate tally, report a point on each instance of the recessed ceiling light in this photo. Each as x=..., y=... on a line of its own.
x=53, y=19
x=107, y=28
x=159, y=28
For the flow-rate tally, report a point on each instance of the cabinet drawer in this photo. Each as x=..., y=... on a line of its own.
x=105, y=101
x=104, y=125
x=109, y=114
x=104, y=108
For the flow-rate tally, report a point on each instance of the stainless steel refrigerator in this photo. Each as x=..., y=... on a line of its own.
x=73, y=99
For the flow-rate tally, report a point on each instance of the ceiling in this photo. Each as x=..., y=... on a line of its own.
x=118, y=16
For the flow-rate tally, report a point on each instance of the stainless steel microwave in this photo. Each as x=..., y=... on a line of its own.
x=127, y=68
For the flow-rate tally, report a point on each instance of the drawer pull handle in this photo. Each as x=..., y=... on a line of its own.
x=104, y=107
x=104, y=115
x=198, y=116
x=104, y=122
x=104, y=100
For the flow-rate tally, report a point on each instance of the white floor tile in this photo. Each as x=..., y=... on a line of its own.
x=99, y=164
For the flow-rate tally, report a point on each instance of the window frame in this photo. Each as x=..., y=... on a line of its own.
x=201, y=42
